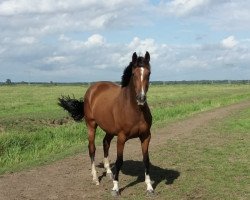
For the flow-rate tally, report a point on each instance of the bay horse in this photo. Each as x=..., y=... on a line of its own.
x=120, y=111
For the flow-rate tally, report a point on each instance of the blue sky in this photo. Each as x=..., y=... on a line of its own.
x=91, y=40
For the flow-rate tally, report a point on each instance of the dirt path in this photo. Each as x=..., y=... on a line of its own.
x=70, y=178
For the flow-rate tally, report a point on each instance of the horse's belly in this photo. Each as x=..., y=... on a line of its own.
x=106, y=122
x=103, y=115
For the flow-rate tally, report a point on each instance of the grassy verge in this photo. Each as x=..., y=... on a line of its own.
x=213, y=163
x=169, y=103
x=34, y=130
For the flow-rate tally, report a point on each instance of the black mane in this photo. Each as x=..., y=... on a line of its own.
x=127, y=73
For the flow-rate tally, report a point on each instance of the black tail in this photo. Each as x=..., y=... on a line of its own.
x=73, y=106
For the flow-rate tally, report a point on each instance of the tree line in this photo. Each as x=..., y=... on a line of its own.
x=9, y=82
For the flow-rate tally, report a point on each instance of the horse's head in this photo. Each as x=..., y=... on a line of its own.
x=140, y=76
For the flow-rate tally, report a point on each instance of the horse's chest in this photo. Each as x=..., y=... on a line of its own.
x=137, y=129
x=142, y=127
x=133, y=123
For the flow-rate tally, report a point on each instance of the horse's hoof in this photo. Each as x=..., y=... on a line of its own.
x=110, y=175
x=115, y=193
x=96, y=182
x=150, y=193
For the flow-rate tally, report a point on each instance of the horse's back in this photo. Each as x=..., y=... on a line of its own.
x=102, y=90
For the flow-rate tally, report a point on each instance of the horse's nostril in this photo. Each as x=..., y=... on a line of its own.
x=143, y=98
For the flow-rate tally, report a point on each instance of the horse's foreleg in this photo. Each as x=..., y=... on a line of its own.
x=106, y=144
x=118, y=164
x=91, y=134
x=144, y=144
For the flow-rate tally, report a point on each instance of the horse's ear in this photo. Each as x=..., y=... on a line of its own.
x=134, y=57
x=147, y=56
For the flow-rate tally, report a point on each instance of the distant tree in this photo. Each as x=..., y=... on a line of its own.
x=8, y=81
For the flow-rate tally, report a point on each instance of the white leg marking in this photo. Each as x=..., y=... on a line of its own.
x=116, y=187
x=148, y=183
x=94, y=174
x=107, y=166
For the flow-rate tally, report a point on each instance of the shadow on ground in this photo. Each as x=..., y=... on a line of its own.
x=157, y=174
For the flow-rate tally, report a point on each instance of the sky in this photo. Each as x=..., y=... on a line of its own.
x=92, y=40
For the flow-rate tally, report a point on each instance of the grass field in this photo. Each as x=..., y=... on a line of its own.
x=34, y=130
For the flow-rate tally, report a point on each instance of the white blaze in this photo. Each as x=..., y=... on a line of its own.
x=142, y=72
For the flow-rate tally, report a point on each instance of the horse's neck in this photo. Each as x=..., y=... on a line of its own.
x=130, y=108
x=129, y=96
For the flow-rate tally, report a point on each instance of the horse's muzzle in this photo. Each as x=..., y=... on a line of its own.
x=141, y=99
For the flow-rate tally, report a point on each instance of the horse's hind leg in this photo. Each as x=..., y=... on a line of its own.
x=106, y=144
x=91, y=134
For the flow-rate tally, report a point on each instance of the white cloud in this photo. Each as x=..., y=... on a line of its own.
x=103, y=20
x=218, y=14
x=55, y=59
x=64, y=38
x=25, y=7
x=185, y=7
x=141, y=46
x=95, y=40
x=27, y=40
x=229, y=42
x=229, y=15
x=191, y=62
x=55, y=16
x=17, y=7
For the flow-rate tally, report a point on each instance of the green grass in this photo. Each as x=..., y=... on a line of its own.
x=34, y=130
x=213, y=162
x=169, y=103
